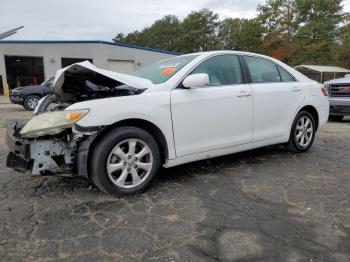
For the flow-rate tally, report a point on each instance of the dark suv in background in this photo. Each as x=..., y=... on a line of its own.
x=28, y=96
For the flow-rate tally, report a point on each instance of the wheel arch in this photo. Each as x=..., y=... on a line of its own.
x=35, y=94
x=146, y=125
x=313, y=111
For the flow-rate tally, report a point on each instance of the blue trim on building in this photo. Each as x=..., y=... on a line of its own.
x=84, y=42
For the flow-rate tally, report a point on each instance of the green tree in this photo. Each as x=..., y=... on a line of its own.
x=163, y=34
x=135, y=38
x=319, y=19
x=240, y=34
x=279, y=21
x=319, y=22
x=301, y=31
x=199, y=31
x=340, y=51
x=294, y=31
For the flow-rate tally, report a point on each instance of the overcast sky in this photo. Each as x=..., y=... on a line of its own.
x=102, y=19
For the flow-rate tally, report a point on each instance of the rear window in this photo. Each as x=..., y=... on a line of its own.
x=162, y=71
x=286, y=77
x=262, y=70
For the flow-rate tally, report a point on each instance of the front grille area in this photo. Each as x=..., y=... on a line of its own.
x=87, y=129
x=339, y=90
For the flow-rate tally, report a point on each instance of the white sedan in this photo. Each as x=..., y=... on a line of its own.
x=118, y=130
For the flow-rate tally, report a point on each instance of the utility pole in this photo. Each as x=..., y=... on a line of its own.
x=10, y=32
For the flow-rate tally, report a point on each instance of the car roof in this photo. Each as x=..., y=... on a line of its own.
x=208, y=53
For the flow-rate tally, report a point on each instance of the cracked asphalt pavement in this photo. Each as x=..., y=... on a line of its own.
x=262, y=205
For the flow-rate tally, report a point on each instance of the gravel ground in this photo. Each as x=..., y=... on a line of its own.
x=266, y=205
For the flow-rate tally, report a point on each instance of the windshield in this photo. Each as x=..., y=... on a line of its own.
x=162, y=71
x=48, y=81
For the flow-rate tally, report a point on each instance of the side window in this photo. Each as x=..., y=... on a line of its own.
x=262, y=70
x=222, y=70
x=286, y=77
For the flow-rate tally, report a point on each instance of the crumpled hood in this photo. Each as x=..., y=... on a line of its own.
x=86, y=66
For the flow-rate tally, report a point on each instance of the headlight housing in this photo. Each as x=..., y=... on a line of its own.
x=16, y=92
x=52, y=122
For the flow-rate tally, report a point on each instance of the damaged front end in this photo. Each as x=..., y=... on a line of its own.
x=52, y=141
x=47, y=153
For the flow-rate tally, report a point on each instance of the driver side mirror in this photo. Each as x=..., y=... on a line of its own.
x=196, y=80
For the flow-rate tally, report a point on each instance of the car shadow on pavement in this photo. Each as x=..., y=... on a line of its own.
x=179, y=174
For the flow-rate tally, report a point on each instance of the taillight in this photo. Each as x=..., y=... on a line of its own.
x=324, y=91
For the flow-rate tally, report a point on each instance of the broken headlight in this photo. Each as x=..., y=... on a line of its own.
x=52, y=122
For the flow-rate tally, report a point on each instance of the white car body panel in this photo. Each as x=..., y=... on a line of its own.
x=208, y=118
x=274, y=106
x=209, y=121
x=152, y=107
x=222, y=151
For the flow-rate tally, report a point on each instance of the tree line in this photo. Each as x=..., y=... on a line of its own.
x=294, y=31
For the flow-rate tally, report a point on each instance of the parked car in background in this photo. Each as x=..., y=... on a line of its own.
x=339, y=98
x=118, y=129
x=28, y=96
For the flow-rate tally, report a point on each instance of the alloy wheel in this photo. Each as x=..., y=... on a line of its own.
x=32, y=102
x=129, y=163
x=304, y=131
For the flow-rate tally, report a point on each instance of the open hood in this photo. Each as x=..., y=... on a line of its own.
x=83, y=81
x=87, y=68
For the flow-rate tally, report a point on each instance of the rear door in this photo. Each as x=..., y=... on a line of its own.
x=276, y=97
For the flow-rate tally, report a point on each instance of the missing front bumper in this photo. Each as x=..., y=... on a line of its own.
x=19, y=156
x=56, y=155
x=37, y=155
x=17, y=163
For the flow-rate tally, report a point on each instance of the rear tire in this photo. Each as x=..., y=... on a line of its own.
x=31, y=102
x=125, y=161
x=336, y=118
x=303, y=132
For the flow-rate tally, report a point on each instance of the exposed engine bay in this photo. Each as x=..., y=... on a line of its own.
x=84, y=86
x=52, y=141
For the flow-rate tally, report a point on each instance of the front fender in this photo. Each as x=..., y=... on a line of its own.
x=152, y=107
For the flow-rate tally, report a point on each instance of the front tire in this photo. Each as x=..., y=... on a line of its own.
x=125, y=161
x=303, y=132
x=31, y=102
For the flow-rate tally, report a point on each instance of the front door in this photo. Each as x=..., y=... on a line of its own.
x=216, y=116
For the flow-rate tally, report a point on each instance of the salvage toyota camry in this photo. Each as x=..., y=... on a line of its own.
x=118, y=130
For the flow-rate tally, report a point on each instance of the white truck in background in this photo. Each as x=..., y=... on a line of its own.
x=339, y=97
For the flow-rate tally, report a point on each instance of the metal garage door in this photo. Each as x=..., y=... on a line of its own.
x=121, y=66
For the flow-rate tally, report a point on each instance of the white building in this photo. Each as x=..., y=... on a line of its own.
x=31, y=62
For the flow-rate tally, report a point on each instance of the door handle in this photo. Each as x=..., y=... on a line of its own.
x=296, y=89
x=244, y=94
